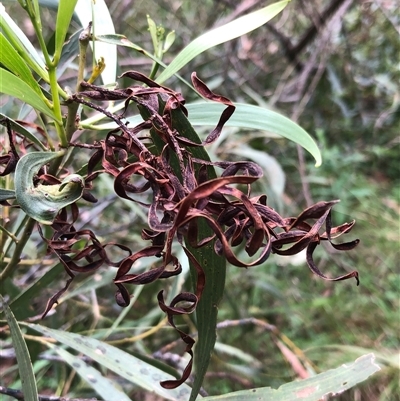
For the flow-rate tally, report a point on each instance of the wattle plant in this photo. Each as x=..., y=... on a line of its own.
x=172, y=164
x=202, y=206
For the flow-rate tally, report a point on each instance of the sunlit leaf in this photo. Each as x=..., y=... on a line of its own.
x=153, y=32
x=169, y=40
x=255, y=117
x=125, y=365
x=21, y=352
x=14, y=62
x=222, y=34
x=15, y=87
x=64, y=15
x=332, y=382
x=21, y=43
x=43, y=202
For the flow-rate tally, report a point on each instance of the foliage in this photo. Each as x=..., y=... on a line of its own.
x=174, y=178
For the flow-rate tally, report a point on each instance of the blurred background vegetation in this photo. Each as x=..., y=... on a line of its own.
x=332, y=66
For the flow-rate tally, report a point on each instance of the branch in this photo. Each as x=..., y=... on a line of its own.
x=18, y=395
x=291, y=51
x=312, y=31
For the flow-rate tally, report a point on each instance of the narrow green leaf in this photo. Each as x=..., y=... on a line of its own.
x=153, y=32
x=43, y=202
x=222, y=34
x=22, y=44
x=214, y=267
x=21, y=352
x=255, y=117
x=9, y=288
x=64, y=15
x=98, y=13
x=169, y=41
x=16, y=87
x=332, y=382
x=121, y=40
x=125, y=365
x=15, y=63
x=245, y=116
x=103, y=386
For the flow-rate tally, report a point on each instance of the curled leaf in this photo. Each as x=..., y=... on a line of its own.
x=171, y=176
x=43, y=202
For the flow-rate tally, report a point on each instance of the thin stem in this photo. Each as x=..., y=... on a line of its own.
x=32, y=262
x=37, y=26
x=71, y=124
x=147, y=333
x=10, y=234
x=159, y=54
x=57, y=106
x=52, y=70
x=154, y=70
x=18, y=249
x=17, y=231
x=84, y=39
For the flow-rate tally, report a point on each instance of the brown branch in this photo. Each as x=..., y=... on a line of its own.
x=309, y=70
x=312, y=31
x=19, y=395
x=292, y=51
